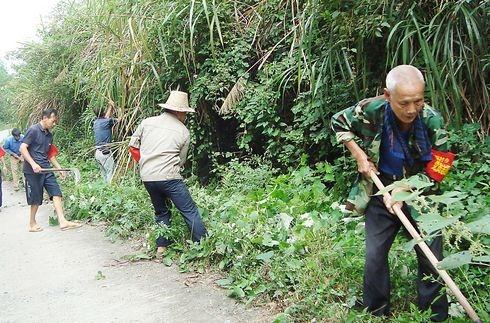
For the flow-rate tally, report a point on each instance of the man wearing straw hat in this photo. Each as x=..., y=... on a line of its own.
x=398, y=133
x=160, y=145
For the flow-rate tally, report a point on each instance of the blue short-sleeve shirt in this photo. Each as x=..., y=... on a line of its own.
x=103, y=131
x=12, y=145
x=39, y=141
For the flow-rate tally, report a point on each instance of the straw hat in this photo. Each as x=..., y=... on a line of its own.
x=177, y=101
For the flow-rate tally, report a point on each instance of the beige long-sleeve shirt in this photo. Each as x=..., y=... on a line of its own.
x=163, y=142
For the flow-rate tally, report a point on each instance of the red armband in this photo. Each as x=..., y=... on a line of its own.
x=135, y=153
x=2, y=152
x=440, y=164
x=53, y=151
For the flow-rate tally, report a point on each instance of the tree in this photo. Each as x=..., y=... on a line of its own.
x=5, y=109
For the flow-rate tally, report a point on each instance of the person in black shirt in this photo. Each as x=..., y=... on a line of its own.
x=34, y=148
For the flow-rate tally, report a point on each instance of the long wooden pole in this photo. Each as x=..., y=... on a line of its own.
x=428, y=253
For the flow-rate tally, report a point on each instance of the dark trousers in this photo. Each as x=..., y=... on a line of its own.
x=177, y=192
x=381, y=229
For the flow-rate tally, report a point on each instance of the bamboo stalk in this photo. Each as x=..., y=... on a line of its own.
x=428, y=253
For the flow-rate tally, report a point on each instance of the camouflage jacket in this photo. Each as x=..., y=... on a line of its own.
x=364, y=123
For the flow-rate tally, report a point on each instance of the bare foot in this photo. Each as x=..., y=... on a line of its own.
x=69, y=225
x=159, y=254
x=35, y=228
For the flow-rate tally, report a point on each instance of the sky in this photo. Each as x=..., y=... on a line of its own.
x=19, y=21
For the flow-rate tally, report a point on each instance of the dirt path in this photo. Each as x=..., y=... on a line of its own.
x=52, y=276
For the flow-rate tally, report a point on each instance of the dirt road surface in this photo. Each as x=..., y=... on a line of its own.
x=53, y=276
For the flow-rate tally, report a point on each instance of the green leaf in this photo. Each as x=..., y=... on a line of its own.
x=265, y=257
x=53, y=221
x=236, y=292
x=99, y=275
x=405, y=196
x=419, y=182
x=167, y=261
x=351, y=301
x=225, y=282
x=485, y=258
x=480, y=226
x=455, y=260
x=294, y=264
x=434, y=222
x=448, y=197
x=137, y=257
x=281, y=318
x=441, y=141
x=409, y=245
x=268, y=241
x=285, y=220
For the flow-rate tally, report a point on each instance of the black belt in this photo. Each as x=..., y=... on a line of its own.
x=390, y=177
x=104, y=151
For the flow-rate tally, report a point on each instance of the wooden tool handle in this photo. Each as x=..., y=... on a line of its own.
x=428, y=253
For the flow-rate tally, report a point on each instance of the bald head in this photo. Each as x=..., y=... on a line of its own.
x=404, y=75
x=405, y=92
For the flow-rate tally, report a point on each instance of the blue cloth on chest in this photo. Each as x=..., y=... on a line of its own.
x=395, y=150
x=389, y=162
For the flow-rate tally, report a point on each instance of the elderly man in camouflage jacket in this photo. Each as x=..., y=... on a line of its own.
x=393, y=135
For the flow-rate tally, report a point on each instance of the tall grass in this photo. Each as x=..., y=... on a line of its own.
x=271, y=72
x=451, y=46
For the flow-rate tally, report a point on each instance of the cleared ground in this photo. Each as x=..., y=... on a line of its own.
x=54, y=276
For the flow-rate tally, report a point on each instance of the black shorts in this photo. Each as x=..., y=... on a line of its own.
x=35, y=184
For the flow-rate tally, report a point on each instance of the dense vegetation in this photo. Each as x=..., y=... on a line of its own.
x=265, y=77
x=4, y=97
x=282, y=238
